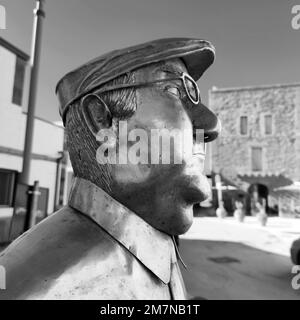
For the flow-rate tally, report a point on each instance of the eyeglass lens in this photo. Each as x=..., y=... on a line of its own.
x=192, y=89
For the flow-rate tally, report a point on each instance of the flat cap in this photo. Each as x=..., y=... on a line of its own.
x=197, y=55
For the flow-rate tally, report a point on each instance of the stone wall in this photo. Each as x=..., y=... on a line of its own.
x=231, y=153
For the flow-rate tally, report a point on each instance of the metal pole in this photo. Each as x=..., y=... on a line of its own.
x=32, y=206
x=59, y=167
x=39, y=14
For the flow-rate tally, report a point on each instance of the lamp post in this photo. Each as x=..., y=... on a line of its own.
x=39, y=14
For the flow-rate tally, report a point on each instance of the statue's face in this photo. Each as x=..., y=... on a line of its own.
x=163, y=194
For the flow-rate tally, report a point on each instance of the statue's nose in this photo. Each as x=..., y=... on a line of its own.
x=205, y=119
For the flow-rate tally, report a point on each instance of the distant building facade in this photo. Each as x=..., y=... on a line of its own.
x=259, y=146
x=48, y=157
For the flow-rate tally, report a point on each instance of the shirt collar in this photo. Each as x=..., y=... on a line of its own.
x=153, y=248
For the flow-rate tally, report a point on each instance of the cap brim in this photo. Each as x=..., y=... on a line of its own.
x=198, y=62
x=204, y=118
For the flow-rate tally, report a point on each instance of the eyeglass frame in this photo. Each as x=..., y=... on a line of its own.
x=143, y=84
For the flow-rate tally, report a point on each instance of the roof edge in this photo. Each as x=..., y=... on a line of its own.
x=252, y=88
x=7, y=45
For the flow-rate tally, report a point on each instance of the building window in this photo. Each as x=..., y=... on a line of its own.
x=256, y=157
x=268, y=124
x=7, y=184
x=243, y=125
x=19, y=81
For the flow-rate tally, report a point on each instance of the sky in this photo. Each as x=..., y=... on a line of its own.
x=255, y=42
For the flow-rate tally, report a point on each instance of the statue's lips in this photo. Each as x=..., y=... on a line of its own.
x=194, y=189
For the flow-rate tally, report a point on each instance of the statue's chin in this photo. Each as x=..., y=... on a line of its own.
x=178, y=222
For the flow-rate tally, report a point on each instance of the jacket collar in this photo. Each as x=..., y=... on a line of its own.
x=153, y=248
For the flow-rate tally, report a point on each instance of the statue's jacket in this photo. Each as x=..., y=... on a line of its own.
x=94, y=248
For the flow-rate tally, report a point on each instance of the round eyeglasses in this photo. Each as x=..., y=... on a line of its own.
x=190, y=86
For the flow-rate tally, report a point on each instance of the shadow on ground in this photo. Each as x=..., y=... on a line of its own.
x=229, y=270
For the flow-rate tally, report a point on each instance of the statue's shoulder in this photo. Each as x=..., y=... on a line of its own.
x=56, y=252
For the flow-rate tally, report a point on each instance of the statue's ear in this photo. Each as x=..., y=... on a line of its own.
x=96, y=113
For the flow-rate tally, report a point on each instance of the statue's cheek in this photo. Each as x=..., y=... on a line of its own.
x=132, y=173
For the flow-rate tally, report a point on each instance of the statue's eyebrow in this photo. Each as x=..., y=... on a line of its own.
x=169, y=69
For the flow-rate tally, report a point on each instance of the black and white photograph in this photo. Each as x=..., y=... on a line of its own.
x=149, y=151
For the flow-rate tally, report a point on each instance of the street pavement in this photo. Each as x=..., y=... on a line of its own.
x=230, y=260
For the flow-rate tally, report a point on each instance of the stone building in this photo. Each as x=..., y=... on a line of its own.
x=259, y=147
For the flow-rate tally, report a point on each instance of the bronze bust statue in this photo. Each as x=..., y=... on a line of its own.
x=114, y=239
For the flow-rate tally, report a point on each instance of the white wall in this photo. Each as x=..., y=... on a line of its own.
x=7, y=60
x=48, y=138
x=45, y=173
x=11, y=123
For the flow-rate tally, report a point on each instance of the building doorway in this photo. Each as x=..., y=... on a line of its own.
x=258, y=197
